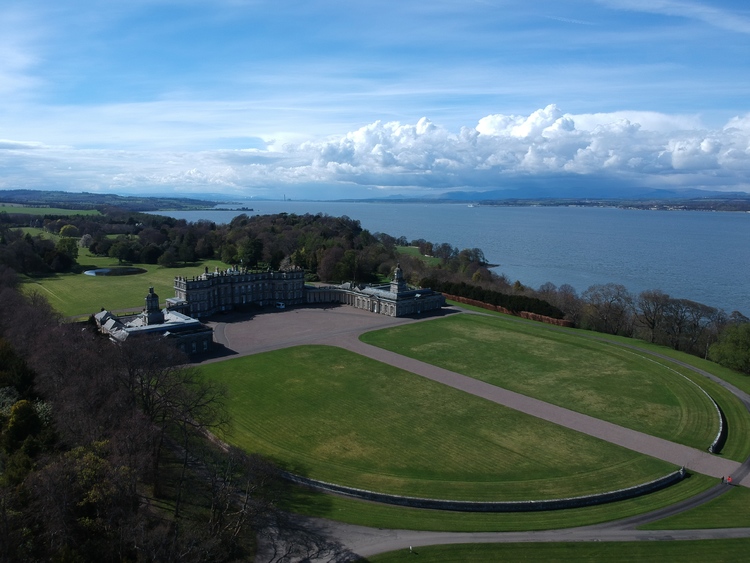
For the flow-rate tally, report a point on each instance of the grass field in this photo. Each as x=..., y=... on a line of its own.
x=336, y=416
x=414, y=251
x=740, y=380
x=738, y=418
x=45, y=210
x=81, y=295
x=36, y=231
x=730, y=510
x=594, y=378
x=689, y=551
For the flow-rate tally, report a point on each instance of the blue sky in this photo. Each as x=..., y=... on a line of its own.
x=332, y=99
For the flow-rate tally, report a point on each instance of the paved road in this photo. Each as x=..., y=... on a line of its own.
x=341, y=326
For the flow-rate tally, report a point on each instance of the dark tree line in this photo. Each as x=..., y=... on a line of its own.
x=337, y=249
x=98, y=445
x=655, y=317
x=514, y=303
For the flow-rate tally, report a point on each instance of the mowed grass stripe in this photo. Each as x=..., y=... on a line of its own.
x=584, y=375
x=336, y=416
x=688, y=551
x=738, y=418
x=730, y=510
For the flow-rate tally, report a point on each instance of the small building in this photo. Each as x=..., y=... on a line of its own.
x=187, y=333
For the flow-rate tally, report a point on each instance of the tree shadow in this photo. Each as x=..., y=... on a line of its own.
x=294, y=533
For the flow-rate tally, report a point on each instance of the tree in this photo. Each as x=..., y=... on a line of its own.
x=229, y=254
x=652, y=305
x=69, y=231
x=85, y=241
x=444, y=251
x=608, y=308
x=690, y=326
x=150, y=254
x=167, y=259
x=250, y=252
x=732, y=349
x=68, y=246
x=22, y=423
x=120, y=250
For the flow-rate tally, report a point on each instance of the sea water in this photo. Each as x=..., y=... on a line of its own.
x=702, y=256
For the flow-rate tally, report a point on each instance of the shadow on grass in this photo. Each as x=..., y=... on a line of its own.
x=290, y=537
x=217, y=352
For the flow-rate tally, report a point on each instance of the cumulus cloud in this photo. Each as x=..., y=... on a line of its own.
x=500, y=150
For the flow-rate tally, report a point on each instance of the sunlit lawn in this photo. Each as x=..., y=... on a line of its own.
x=45, y=210
x=82, y=295
x=730, y=510
x=336, y=416
x=595, y=378
x=414, y=251
x=738, y=418
x=691, y=551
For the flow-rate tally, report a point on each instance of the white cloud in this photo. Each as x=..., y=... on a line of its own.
x=500, y=151
x=717, y=17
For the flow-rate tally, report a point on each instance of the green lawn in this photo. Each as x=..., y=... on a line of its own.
x=81, y=295
x=730, y=510
x=414, y=251
x=333, y=415
x=613, y=552
x=738, y=418
x=45, y=210
x=739, y=380
x=591, y=377
x=36, y=231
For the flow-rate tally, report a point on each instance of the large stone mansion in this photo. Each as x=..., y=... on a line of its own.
x=223, y=290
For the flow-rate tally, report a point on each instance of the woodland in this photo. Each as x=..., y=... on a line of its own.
x=104, y=453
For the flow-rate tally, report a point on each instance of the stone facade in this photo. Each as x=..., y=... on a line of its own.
x=394, y=300
x=223, y=290
x=188, y=334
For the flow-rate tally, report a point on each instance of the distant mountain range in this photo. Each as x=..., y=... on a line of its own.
x=614, y=193
x=636, y=198
x=644, y=198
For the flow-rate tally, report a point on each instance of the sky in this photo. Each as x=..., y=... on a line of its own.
x=332, y=99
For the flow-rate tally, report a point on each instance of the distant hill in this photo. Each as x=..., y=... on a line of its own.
x=84, y=200
x=636, y=198
x=598, y=193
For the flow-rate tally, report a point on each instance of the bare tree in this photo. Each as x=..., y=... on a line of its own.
x=652, y=305
x=609, y=308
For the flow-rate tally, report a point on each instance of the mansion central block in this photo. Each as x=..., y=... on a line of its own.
x=223, y=290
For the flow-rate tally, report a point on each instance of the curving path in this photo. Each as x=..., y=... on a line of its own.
x=341, y=326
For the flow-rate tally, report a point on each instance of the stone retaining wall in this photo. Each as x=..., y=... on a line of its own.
x=721, y=435
x=478, y=506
